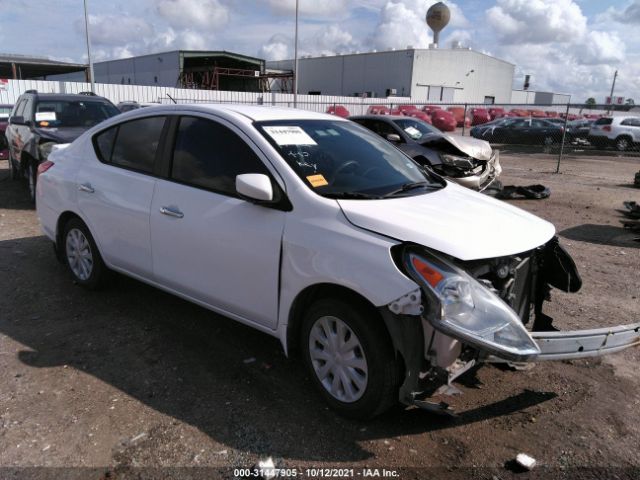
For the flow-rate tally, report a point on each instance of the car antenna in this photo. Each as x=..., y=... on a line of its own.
x=172, y=99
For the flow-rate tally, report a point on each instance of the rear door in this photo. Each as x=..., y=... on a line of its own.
x=115, y=192
x=208, y=243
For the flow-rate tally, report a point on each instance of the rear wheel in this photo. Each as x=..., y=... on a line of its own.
x=350, y=357
x=623, y=143
x=82, y=255
x=13, y=172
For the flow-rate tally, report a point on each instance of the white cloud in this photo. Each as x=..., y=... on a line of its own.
x=400, y=26
x=194, y=14
x=403, y=23
x=115, y=30
x=330, y=40
x=630, y=14
x=537, y=21
x=277, y=48
x=314, y=8
x=600, y=48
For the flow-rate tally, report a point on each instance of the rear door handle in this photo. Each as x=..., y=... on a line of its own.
x=86, y=187
x=171, y=212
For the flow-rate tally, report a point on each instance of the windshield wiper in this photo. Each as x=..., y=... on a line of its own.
x=410, y=186
x=352, y=195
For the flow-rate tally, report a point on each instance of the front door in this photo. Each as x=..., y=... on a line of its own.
x=208, y=243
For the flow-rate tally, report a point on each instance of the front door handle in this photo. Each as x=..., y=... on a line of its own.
x=86, y=187
x=171, y=212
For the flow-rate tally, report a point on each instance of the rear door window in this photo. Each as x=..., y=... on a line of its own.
x=603, y=121
x=136, y=144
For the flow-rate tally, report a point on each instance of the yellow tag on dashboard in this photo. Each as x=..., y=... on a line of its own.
x=317, y=180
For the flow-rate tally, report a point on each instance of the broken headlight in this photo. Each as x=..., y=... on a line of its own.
x=463, y=308
x=464, y=163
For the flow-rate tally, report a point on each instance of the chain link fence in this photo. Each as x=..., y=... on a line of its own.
x=519, y=129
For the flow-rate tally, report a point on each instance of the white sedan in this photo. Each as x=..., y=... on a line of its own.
x=389, y=280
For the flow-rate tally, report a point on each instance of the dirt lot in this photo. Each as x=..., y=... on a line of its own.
x=133, y=377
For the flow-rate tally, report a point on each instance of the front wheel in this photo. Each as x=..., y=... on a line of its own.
x=82, y=255
x=349, y=355
x=31, y=180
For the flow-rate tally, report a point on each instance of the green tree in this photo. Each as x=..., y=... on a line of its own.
x=590, y=101
x=630, y=101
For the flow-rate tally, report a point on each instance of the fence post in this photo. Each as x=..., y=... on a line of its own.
x=464, y=119
x=564, y=134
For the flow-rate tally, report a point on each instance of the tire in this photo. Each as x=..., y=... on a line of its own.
x=13, y=172
x=361, y=382
x=82, y=256
x=623, y=143
x=548, y=141
x=31, y=174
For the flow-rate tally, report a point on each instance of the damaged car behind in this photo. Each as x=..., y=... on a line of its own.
x=312, y=229
x=467, y=161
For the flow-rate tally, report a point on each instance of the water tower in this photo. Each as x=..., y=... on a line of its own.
x=438, y=17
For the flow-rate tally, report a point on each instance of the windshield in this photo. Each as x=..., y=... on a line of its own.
x=72, y=113
x=339, y=159
x=415, y=128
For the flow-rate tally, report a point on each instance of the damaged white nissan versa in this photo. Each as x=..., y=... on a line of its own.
x=390, y=280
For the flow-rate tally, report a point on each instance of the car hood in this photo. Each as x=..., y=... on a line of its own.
x=61, y=135
x=454, y=220
x=478, y=149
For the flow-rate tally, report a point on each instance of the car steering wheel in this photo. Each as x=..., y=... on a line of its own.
x=342, y=168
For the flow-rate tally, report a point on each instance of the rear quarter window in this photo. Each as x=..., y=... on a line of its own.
x=603, y=121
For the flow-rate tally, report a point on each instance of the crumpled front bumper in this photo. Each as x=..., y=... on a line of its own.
x=485, y=178
x=575, y=344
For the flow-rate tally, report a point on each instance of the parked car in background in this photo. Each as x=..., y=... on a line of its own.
x=479, y=116
x=519, y=112
x=39, y=121
x=530, y=131
x=578, y=129
x=622, y=132
x=133, y=105
x=537, y=114
x=485, y=131
x=431, y=108
x=459, y=114
x=405, y=109
x=388, y=280
x=552, y=114
x=338, y=110
x=471, y=163
x=421, y=116
x=496, y=112
x=378, y=110
x=443, y=120
x=5, y=111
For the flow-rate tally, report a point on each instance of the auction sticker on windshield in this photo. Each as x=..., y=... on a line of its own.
x=45, y=116
x=289, y=135
x=413, y=132
x=317, y=180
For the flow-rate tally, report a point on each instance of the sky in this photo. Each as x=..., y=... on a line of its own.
x=567, y=46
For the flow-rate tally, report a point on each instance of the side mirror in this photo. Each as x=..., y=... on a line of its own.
x=254, y=186
x=17, y=120
x=394, y=137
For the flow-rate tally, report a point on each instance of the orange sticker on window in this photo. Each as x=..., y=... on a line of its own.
x=317, y=180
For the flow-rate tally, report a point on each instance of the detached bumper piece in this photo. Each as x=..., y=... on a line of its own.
x=586, y=343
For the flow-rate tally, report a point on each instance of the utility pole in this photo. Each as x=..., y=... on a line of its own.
x=86, y=29
x=295, y=61
x=613, y=86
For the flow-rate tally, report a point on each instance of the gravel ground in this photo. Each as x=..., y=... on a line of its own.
x=133, y=377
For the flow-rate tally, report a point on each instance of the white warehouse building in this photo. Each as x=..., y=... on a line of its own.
x=454, y=75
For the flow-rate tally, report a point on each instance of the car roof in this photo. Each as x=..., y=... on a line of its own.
x=67, y=96
x=380, y=117
x=259, y=113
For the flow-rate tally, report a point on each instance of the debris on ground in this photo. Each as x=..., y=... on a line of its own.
x=510, y=192
x=632, y=213
x=525, y=461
